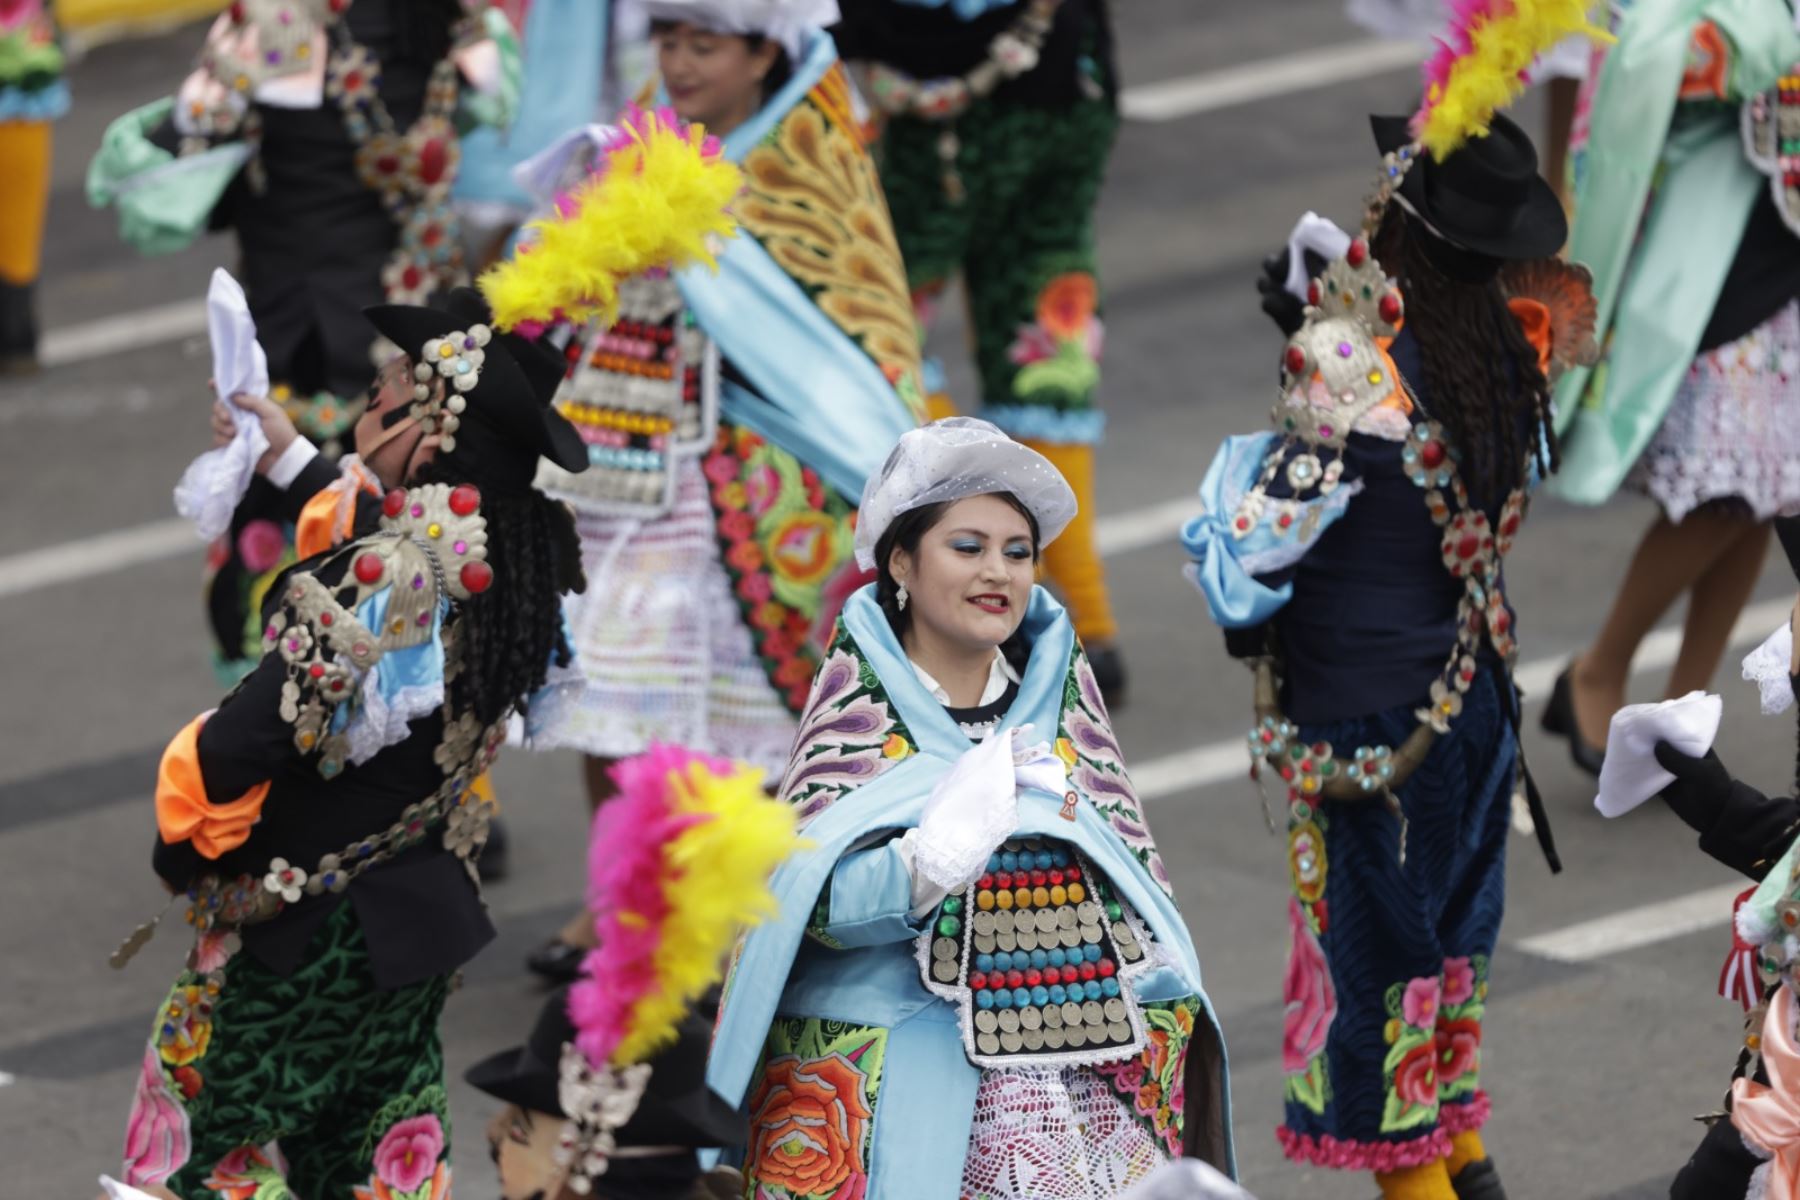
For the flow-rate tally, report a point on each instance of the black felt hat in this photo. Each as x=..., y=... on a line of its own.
x=511, y=404
x=678, y=1109
x=1485, y=196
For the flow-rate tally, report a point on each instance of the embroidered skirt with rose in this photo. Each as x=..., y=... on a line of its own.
x=313, y=1084
x=1387, y=975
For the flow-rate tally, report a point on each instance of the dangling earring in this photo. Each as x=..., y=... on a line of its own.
x=900, y=598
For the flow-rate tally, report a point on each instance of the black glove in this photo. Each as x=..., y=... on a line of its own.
x=1700, y=788
x=1249, y=642
x=1287, y=310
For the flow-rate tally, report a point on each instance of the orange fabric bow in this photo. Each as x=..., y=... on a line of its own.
x=329, y=518
x=1769, y=1115
x=1533, y=317
x=183, y=812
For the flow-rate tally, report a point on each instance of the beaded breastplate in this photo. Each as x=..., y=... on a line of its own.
x=642, y=392
x=1337, y=377
x=1039, y=956
x=1771, y=128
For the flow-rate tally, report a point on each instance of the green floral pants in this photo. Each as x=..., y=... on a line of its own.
x=317, y=1085
x=1022, y=234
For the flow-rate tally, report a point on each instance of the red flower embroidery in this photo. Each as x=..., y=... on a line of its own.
x=1458, y=1048
x=1415, y=1079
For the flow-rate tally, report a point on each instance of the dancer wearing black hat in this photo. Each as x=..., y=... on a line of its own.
x=319, y=827
x=1353, y=555
x=1751, y=1146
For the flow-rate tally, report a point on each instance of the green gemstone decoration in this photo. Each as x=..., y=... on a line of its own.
x=949, y=926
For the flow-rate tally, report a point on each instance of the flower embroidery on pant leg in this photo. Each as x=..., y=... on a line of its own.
x=1411, y=1065
x=157, y=1138
x=1458, y=1035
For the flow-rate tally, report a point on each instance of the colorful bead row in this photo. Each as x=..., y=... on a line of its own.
x=617, y=418
x=1027, y=995
x=626, y=459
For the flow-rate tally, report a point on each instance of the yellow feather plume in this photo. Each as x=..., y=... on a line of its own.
x=1481, y=63
x=663, y=191
x=720, y=869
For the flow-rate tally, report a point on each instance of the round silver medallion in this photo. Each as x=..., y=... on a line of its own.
x=985, y=943
x=1070, y=938
x=1031, y=1018
x=987, y=1043
x=1075, y=1036
x=1012, y=1043
x=944, y=971
x=1054, y=1039
x=1046, y=920
x=1092, y=1013
x=1088, y=912
x=944, y=948
x=1053, y=1018
x=1115, y=1009
x=1033, y=1039
x=1009, y=1020
x=1006, y=941
x=1027, y=939
x=982, y=922
x=1072, y=1014
x=1119, y=1032
x=986, y=1021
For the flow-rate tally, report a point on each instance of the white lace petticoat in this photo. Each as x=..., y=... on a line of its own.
x=663, y=647
x=1054, y=1135
x=1733, y=429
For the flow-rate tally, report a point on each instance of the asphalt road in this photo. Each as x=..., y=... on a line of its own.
x=1595, y=1065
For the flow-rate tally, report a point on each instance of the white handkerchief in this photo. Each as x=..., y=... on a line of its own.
x=1631, y=774
x=1322, y=237
x=1186, y=1179
x=214, y=483
x=1767, y=667
x=121, y=1191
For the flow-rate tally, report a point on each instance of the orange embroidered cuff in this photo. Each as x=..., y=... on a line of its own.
x=183, y=813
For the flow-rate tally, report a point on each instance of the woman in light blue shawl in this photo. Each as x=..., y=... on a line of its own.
x=979, y=984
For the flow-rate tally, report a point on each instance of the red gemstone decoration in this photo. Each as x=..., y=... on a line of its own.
x=1038, y=878
x=1034, y=978
x=1510, y=526
x=1088, y=970
x=1432, y=454
x=1106, y=968
x=353, y=81
x=1313, y=294
x=367, y=567
x=977, y=981
x=1294, y=360
x=464, y=499
x=477, y=577
x=1467, y=546
x=317, y=670
x=410, y=276
x=1074, y=874
x=433, y=158
x=394, y=503
x=1358, y=251
x=325, y=619
x=1390, y=308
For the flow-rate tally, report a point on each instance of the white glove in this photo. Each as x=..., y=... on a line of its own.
x=973, y=809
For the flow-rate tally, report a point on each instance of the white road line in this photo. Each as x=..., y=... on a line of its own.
x=1252, y=81
x=7, y=1078
x=1127, y=531
x=128, y=331
x=1635, y=928
x=87, y=557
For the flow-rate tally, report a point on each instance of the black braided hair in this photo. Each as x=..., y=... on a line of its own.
x=511, y=633
x=905, y=532
x=1481, y=374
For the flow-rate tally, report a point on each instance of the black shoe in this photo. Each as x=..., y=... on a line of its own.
x=1559, y=719
x=1478, y=1181
x=491, y=865
x=18, y=329
x=557, y=961
x=1109, y=673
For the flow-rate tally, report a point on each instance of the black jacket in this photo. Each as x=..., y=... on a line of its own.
x=420, y=912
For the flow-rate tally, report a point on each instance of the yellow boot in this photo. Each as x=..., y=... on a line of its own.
x=1428, y=1182
x=1073, y=564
